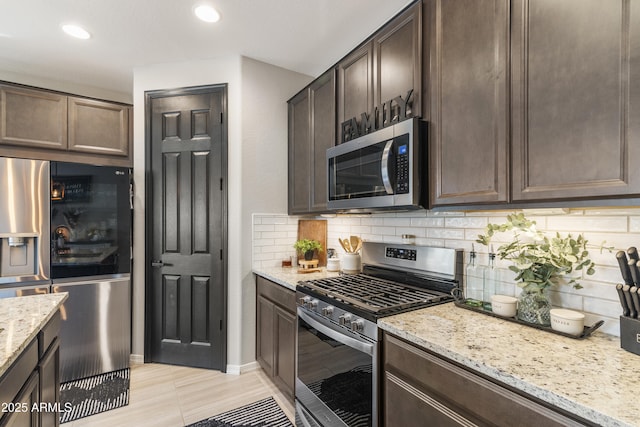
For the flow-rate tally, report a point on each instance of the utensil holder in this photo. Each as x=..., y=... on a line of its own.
x=630, y=334
x=351, y=263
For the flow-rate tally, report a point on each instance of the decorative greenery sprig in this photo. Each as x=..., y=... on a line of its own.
x=539, y=260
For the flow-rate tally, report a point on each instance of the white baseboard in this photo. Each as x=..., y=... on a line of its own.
x=136, y=359
x=241, y=369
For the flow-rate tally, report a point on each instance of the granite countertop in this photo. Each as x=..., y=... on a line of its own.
x=593, y=378
x=290, y=276
x=21, y=319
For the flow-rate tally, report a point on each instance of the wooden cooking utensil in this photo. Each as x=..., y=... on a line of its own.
x=353, y=240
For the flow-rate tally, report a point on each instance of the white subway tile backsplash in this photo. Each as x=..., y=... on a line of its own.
x=604, y=307
x=445, y=233
x=466, y=222
x=397, y=222
x=263, y=227
x=581, y=223
x=274, y=235
x=383, y=231
x=427, y=222
x=415, y=231
x=634, y=224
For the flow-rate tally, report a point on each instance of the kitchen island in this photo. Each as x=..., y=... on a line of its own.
x=590, y=378
x=29, y=359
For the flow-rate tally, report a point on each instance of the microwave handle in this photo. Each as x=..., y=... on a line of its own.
x=384, y=167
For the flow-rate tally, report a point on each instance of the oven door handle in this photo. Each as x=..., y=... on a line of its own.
x=384, y=167
x=334, y=332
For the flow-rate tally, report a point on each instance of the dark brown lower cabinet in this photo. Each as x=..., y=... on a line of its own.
x=30, y=388
x=276, y=333
x=421, y=388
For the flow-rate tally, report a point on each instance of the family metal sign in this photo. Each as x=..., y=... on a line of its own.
x=386, y=114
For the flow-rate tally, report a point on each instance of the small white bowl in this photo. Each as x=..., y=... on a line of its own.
x=503, y=305
x=567, y=321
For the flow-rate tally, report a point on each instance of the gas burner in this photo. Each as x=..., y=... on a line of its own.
x=378, y=296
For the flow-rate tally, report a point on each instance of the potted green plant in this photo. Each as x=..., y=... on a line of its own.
x=307, y=248
x=539, y=262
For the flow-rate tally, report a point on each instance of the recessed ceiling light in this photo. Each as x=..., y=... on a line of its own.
x=76, y=31
x=207, y=13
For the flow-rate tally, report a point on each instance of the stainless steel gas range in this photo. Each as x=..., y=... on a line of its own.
x=338, y=339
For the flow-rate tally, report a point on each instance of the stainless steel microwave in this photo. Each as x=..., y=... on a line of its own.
x=382, y=170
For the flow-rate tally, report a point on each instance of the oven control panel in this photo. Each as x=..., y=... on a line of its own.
x=401, y=253
x=337, y=316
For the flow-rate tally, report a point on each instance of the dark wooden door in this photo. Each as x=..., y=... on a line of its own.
x=575, y=98
x=299, y=153
x=355, y=86
x=323, y=119
x=469, y=130
x=397, y=59
x=284, y=368
x=187, y=213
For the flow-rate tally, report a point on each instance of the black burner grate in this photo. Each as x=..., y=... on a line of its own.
x=373, y=294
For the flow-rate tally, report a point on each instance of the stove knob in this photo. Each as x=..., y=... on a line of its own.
x=304, y=301
x=327, y=311
x=345, y=319
x=313, y=304
x=357, y=325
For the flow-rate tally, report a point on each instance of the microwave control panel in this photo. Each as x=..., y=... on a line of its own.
x=402, y=165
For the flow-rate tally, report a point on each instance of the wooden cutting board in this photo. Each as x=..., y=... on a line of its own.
x=315, y=229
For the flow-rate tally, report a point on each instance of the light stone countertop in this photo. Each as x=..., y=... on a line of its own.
x=593, y=378
x=289, y=276
x=21, y=319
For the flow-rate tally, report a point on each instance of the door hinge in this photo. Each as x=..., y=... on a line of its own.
x=221, y=117
x=221, y=183
x=220, y=324
x=221, y=257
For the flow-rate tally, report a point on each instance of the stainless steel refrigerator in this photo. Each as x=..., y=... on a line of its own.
x=91, y=260
x=24, y=227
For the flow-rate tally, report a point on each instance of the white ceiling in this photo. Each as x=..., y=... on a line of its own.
x=307, y=36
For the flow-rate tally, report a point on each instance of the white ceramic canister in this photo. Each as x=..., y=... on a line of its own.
x=333, y=264
x=351, y=263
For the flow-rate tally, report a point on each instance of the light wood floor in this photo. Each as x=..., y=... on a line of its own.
x=174, y=396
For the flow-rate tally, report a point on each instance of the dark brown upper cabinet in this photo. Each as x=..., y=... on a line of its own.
x=42, y=124
x=98, y=127
x=575, y=99
x=397, y=61
x=469, y=126
x=299, y=153
x=386, y=66
x=32, y=118
x=355, y=86
x=311, y=132
x=323, y=116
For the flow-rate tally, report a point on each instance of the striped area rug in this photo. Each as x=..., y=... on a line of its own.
x=90, y=396
x=263, y=413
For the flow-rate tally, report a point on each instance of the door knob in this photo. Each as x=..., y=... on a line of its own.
x=157, y=263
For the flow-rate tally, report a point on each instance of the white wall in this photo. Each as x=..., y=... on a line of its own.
x=620, y=228
x=265, y=90
x=257, y=129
